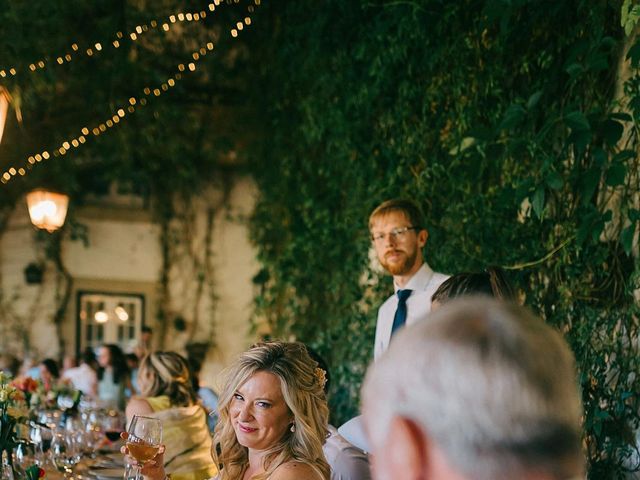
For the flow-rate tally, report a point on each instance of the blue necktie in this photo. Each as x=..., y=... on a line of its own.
x=400, y=318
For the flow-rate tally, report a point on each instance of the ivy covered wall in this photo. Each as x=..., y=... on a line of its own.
x=511, y=122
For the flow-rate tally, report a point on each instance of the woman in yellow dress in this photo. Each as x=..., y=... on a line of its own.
x=167, y=394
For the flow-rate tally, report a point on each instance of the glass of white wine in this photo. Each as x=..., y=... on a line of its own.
x=144, y=437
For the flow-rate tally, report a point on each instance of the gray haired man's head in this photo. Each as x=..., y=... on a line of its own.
x=481, y=390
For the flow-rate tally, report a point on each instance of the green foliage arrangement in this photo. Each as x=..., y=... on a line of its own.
x=512, y=122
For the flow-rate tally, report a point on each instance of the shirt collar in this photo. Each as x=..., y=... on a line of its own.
x=419, y=281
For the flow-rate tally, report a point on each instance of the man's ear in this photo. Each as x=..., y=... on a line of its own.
x=423, y=235
x=407, y=449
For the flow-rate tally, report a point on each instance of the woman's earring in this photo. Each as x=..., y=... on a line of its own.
x=293, y=428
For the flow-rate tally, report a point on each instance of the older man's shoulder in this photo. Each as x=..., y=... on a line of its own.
x=295, y=471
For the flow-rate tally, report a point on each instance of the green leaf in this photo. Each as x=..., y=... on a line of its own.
x=626, y=238
x=577, y=121
x=587, y=184
x=512, y=117
x=623, y=156
x=634, y=55
x=621, y=116
x=534, y=99
x=612, y=131
x=537, y=202
x=616, y=174
x=634, y=214
x=554, y=181
x=574, y=69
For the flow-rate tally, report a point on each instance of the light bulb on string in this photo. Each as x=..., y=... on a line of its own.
x=119, y=116
x=98, y=47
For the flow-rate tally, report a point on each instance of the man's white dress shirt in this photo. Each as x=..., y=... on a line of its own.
x=423, y=284
x=347, y=462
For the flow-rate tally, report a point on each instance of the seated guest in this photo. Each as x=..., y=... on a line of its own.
x=491, y=395
x=84, y=377
x=9, y=364
x=491, y=283
x=49, y=373
x=133, y=363
x=167, y=393
x=273, y=418
x=113, y=376
x=347, y=461
x=207, y=397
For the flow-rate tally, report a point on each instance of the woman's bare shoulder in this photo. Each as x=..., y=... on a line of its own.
x=295, y=471
x=138, y=406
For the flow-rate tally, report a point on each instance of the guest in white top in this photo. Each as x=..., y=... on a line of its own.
x=84, y=377
x=398, y=234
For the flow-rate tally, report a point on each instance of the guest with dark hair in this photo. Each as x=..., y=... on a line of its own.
x=49, y=373
x=9, y=364
x=113, y=376
x=490, y=283
x=207, y=397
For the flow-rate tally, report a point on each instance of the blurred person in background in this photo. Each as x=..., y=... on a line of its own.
x=9, y=364
x=49, y=373
x=490, y=283
x=113, y=376
x=84, y=377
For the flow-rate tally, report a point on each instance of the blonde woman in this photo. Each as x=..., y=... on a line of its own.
x=167, y=393
x=273, y=418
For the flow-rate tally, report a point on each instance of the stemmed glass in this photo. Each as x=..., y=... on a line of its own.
x=65, y=452
x=144, y=436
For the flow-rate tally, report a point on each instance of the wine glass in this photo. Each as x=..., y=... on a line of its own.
x=144, y=436
x=113, y=424
x=64, y=452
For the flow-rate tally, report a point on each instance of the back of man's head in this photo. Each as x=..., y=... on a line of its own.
x=490, y=385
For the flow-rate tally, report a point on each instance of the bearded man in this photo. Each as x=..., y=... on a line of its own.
x=398, y=234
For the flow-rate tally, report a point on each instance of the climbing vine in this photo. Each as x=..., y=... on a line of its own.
x=514, y=124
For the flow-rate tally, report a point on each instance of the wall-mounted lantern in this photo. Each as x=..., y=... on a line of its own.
x=4, y=109
x=47, y=210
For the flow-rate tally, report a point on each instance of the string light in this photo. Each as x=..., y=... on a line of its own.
x=133, y=103
x=135, y=35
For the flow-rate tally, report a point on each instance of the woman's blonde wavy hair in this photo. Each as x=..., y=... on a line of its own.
x=303, y=394
x=166, y=373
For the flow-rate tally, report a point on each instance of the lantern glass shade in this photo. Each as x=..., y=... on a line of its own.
x=4, y=109
x=47, y=210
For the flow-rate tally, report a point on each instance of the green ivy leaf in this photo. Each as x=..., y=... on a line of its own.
x=626, y=238
x=588, y=183
x=612, y=131
x=512, y=117
x=616, y=174
x=577, y=121
x=537, y=202
x=554, y=181
x=623, y=156
x=534, y=99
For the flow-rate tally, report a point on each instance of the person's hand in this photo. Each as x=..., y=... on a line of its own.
x=152, y=469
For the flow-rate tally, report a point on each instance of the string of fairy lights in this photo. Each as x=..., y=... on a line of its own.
x=95, y=48
x=134, y=103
